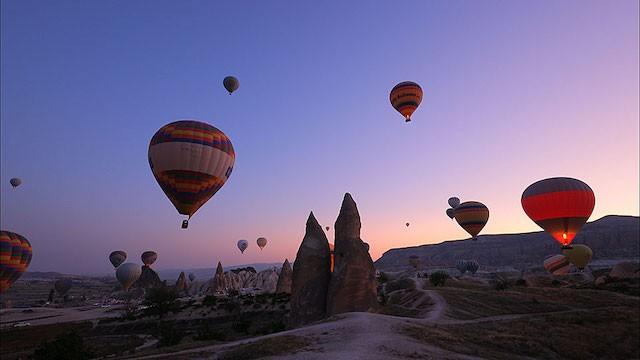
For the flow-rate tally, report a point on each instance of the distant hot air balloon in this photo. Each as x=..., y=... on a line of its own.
x=192, y=276
x=472, y=217
x=15, y=182
x=366, y=246
x=327, y=228
x=579, y=255
x=62, y=286
x=127, y=274
x=191, y=161
x=405, y=98
x=472, y=266
x=262, y=242
x=461, y=265
x=117, y=257
x=454, y=202
x=242, y=245
x=148, y=258
x=560, y=206
x=15, y=256
x=557, y=264
x=231, y=84
x=407, y=224
x=331, y=251
x=414, y=261
x=451, y=213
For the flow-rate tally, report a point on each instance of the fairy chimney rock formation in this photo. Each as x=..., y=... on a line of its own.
x=311, y=276
x=181, y=283
x=284, y=279
x=219, y=281
x=353, y=284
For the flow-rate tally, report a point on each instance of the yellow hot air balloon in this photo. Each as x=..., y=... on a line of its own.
x=579, y=255
x=405, y=98
x=191, y=161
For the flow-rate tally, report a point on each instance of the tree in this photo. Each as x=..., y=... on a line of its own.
x=161, y=300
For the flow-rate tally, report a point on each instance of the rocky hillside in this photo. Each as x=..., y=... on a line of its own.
x=611, y=237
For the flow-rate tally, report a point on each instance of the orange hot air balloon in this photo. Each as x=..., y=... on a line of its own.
x=561, y=206
x=405, y=98
x=472, y=216
x=191, y=161
x=15, y=256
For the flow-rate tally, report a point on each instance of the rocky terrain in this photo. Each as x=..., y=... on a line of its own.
x=611, y=238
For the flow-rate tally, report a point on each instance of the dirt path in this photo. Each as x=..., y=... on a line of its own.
x=439, y=307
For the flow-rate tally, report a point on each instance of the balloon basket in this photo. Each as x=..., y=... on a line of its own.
x=185, y=224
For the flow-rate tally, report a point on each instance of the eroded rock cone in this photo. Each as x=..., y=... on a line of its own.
x=284, y=279
x=310, y=276
x=353, y=283
x=148, y=279
x=181, y=283
x=219, y=281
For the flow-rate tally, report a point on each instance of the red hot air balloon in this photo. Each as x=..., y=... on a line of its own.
x=15, y=256
x=472, y=216
x=560, y=206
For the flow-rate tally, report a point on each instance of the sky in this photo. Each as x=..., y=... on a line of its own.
x=514, y=92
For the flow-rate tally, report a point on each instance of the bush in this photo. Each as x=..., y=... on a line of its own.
x=241, y=326
x=438, y=278
x=521, y=282
x=169, y=335
x=161, y=300
x=67, y=346
x=501, y=284
x=209, y=300
x=205, y=332
x=383, y=278
x=401, y=284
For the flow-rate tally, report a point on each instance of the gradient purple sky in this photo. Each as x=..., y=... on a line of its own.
x=514, y=92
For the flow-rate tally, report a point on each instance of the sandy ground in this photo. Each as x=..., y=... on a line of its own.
x=45, y=316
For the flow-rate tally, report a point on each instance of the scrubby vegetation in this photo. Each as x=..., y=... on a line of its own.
x=160, y=301
x=438, y=278
x=401, y=284
x=66, y=346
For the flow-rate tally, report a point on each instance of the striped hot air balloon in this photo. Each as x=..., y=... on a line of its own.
x=461, y=265
x=148, y=258
x=191, y=161
x=472, y=217
x=472, y=266
x=405, y=98
x=557, y=264
x=560, y=206
x=15, y=256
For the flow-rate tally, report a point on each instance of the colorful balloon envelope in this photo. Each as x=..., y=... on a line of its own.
x=262, y=242
x=127, y=274
x=231, y=84
x=15, y=256
x=579, y=255
x=472, y=216
x=243, y=245
x=405, y=98
x=191, y=161
x=148, y=257
x=117, y=258
x=561, y=206
x=15, y=182
x=557, y=264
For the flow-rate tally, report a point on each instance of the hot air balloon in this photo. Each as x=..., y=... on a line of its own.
x=414, y=261
x=461, y=265
x=472, y=266
x=243, y=245
x=405, y=98
x=331, y=251
x=451, y=213
x=117, y=257
x=62, y=286
x=557, y=264
x=454, y=202
x=15, y=256
x=148, y=258
x=192, y=276
x=579, y=255
x=262, y=242
x=407, y=224
x=191, y=161
x=366, y=246
x=560, y=206
x=127, y=274
x=327, y=228
x=472, y=217
x=231, y=84
x=15, y=182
